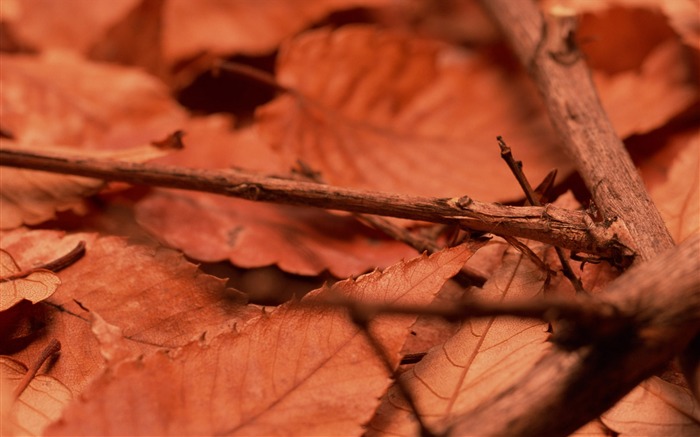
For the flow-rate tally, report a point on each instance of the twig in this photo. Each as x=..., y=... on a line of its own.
x=56, y=265
x=556, y=226
x=361, y=319
x=466, y=274
x=661, y=303
x=587, y=319
x=575, y=111
x=517, y=168
x=662, y=296
x=53, y=347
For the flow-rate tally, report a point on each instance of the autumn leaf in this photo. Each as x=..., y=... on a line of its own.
x=41, y=403
x=382, y=110
x=655, y=408
x=280, y=371
x=298, y=240
x=153, y=295
x=31, y=197
x=242, y=26
x=678, y=198
x=45, y=24
x=17, y=284
x=59, y=99
x=483, y=358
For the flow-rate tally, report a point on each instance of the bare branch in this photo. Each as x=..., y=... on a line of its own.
x=558, y=68
x=661, y=301
x=561, y=227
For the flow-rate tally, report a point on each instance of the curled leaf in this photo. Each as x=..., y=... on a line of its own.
x=17, y=284
x=39, y=404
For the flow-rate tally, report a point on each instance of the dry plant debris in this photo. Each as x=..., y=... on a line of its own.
x=128, y=305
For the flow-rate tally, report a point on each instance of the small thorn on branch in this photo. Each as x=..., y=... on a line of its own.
x=517, y=168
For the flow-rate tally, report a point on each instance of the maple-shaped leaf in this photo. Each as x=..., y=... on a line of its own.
x=17, y=284
x=300, y=370
x=152, y=294
x=382, y=110
x=655, y=408
x=39, y=404
x=484, y=357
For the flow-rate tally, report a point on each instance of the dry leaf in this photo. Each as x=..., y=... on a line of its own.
x=299, y=240
x=663, y=85
x=277, y=376
x=655, y=408
x=153, y=295
x=113, y=346
x=31, y=197
x=41, y=403
x=678, y=198
x=385, y=111
x=68, y=24
x=58, y=98
x=15, y=285
x=483, y=358
x=241, y=26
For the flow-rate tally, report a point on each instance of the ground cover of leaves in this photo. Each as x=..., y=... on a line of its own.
x=401, y=97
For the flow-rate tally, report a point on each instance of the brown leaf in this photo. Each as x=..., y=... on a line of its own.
x=678, y=198
x=247, y=26
x=483, y=358
x=299, y=240
x=15, y=285
x=68, y=24
x=31, y=197
x=58, y=98
x=153, y=295
x=300, y=370
x=381, y=110
x=41, y=403
x=655, y=408
x=664, y=86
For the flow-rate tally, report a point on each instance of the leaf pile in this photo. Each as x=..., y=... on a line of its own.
x=158, y=332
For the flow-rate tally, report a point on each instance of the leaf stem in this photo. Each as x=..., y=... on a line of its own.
x=53, y=347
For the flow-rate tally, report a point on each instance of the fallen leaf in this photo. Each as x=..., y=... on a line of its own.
x=46, y=24
x=156, y=297
x=655, y=408
x=483, y=358
x=212, y=142
x=59, y=98
x=31, y=197
x=113, y=346
x=17, y=284
x=41, y=403
x=299, y=240
x=664, y=85
x=235, y=27
x=281, y=373
x=678, y=198
x=382, y=110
